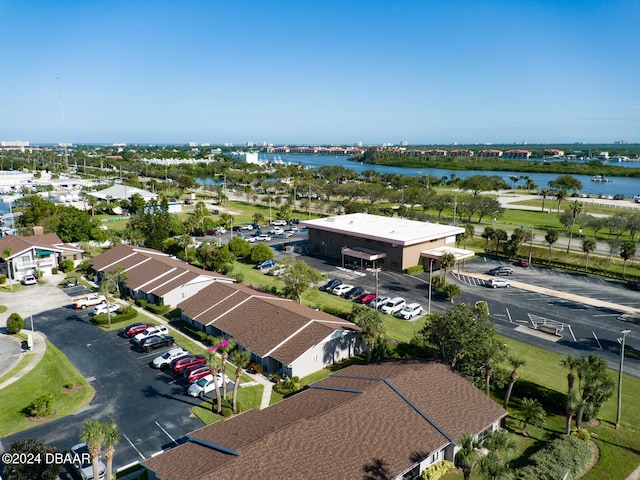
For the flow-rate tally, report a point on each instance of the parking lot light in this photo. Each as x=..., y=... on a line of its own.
x=624, y=333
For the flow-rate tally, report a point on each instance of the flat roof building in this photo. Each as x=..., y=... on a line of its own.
x=374, y=240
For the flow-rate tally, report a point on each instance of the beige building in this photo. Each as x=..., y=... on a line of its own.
x=363, y=240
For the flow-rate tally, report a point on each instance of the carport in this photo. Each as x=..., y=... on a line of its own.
x=363, y=254
x=433, y=255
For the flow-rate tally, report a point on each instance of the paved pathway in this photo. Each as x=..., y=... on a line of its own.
x=38, y=351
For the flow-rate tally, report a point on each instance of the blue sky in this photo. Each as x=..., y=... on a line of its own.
x=320, y=72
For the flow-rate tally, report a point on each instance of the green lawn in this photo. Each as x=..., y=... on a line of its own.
x=248, y=398
x=49, y=377
x=24, y=361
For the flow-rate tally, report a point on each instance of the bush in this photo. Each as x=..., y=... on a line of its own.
x=41, y=406
x=66, y=266
x=157, y=309
x=86, y=267
x=226, y=412
x=15, y=323
x=566, y=453
x=239, y=277
x=54, y=270
x=416, y=269
x=257, y=368
x=101, y=319
x=3, y=279
x=141, y=302
x=434, y=472
x=287, y=387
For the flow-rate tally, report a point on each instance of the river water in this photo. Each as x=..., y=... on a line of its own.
x=629, y=187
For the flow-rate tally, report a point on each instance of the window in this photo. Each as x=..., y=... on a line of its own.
x=314, y=359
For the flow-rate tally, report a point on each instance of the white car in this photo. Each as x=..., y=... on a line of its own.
x=294, y=228
x=82, y=462
x=393, y=306
x=263, y=238
x=104, y=308
x=498, y=283
x=378, y=302
x=251, y=239
x=410, y=311
x=341, y=289
x=205, y=385
x=29, y=280
x=246, y=226
x=276, y=231
x=279, y=223
x=155, y=330
x=165, y=359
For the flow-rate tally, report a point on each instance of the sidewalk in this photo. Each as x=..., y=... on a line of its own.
x=38, y=351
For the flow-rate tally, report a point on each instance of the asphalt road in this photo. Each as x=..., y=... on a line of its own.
x=150, y=407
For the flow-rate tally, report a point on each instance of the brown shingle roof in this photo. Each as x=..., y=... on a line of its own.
x=19, y=244
x=263, y=323
x=339, y=434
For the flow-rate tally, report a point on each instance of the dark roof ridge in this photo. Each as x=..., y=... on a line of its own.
x=214, y=446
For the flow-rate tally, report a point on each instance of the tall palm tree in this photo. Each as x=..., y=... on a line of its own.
x=224, y=356
x=551, y=237
x=211, y=362
x=588, y=246
x=515, y=363
x=6, y=253
x=575, y=208
x=544, y=193
x=493, y=467
x=92, y=434
x=469, y=231
x=111, y=437
x=531, y=413
x=235, y=389
x=627, y=251
x=468, y=455
x=447, y=261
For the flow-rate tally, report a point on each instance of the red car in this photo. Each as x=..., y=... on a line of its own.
x=136, y=328
x=194, y=374
x=181, y=364
x=366, y=298
x=522, y=263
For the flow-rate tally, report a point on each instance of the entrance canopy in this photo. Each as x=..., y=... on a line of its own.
x=458, y=253
x=363, y=253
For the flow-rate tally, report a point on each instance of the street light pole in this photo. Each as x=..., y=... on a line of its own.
x=30, y=344
x=430, y=272
x=622, y=342
x=530, y=245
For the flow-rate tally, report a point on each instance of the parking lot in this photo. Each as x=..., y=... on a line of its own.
x=150, y=407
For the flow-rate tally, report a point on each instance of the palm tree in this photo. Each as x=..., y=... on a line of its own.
x=544, y=193
x=109, y=285
x=92, y=434
x=451, y=291
x=500, y=236
x=627, y=251
x=111, y=437
x=575, y=208
x=560, y=195
x=588, y=246
x=515, y=363
x=501, y=442
x=211, y=362
x=224, y=356
x=6, y=253
x=258, y=218
x=469, y=231
x=235, y=389
x=468, y=455
x=551, y=237
x=493, y=467
x=531, y=413
x=487, y=234
x=447, y=261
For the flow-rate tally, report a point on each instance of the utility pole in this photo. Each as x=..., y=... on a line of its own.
x=622, y=342
x=530, y=245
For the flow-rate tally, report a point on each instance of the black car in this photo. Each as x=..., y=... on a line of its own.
x=156, y=341
x=634, y=286
x=501, y=271
x=330, y=285
x=355, y=292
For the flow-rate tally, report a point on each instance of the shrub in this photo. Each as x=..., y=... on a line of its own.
x=287, y=387
x=240, y=358
x=54, y=270
x=101, y=319
x=566, y=453
x=416, y=269
x=226, y=412
x=434, y=472
x=256, y=368
x=66, y=266
x=239, y=277
x=41, y=406
x=15, y=323
x=157, y=309
x=3, y=279
x=141, y=302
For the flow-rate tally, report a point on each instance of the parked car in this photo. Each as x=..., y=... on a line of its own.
x=165, y=359
x=263, y=237
x=286, y=234
x=522, y=263
x=90, y=300
x=152, y=330
x=330, y=285
x=29, y=280
x=353, y=293
x=634, y=286
x=104, y=308
x=410, y=311
x=81, y=461
x=393, y=306
x=276, y=231
x=194, y=374
x=251, y=239
x=341, y=289
x=378, y=301
x=294, y=228
x=365, y=298
x=181, y=364
x=135, y=328
x=156, y=341
x=279, y=223
x=501, y=271
x=277, y=270
x=265, y=264
x=498, y=283
x=205, y=385
x=246, y=226
x=70, y=282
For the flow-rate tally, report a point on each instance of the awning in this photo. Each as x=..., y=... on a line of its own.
x=43, y=253
x=363, y=254
x=458, y=253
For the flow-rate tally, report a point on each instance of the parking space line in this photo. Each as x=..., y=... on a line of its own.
x=134, y=447
x=166, y=433
x=142, y=357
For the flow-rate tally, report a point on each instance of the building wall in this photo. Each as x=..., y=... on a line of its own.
x=340, y=346
x=184, y=292
x=398, y=258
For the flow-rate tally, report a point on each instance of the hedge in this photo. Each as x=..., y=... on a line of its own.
x=416, y=269
x=566, y=453
x=101, y=318
x=15, y=323
x=434, y=472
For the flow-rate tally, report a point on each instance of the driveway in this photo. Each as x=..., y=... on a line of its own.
x=150, y=407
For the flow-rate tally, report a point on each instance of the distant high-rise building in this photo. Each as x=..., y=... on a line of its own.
x=250, y=144
x=403, y=143
x=192, y=144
